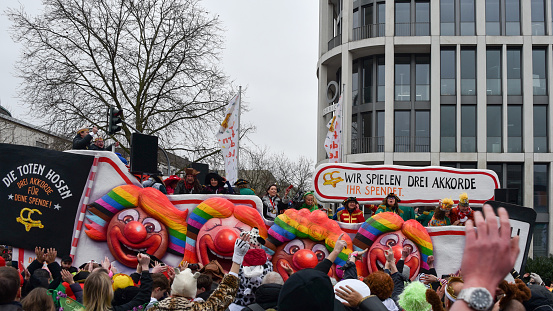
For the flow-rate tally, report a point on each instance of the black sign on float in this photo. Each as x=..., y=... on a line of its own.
x=143, y=153
x=40, y=191
x=522, y=220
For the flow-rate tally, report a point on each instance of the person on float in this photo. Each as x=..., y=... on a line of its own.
x=243, y=188
x=425, y=217
x=171, y=183
x=273, y=205
x=462, y=212
x=309, y=202
x=99, y=145
x=390, y=204
x=441, y=215
x=189, y=184
x=215, y=184
x=351, y=212
x=83, y=138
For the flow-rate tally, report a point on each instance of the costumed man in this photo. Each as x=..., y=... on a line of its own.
x=390, y=204
x=243, y=188
x=189, y=184
x=98, y=144
x=426, y=215
x=441, y=215
x=83, y=138
x=462, y=212
x=351, y=212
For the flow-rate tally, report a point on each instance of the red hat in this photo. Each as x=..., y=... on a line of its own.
x=2, y=262
x=254, y=257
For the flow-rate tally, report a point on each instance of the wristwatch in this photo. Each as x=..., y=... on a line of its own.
x=478, y=298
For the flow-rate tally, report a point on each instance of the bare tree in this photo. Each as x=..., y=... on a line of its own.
x=157, y=60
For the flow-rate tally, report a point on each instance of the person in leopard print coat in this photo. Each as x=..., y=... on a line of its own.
x=221, y=298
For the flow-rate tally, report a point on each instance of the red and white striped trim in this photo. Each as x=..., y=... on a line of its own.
x=89, y=183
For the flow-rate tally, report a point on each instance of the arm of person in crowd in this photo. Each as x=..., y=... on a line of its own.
x=489, y=254
x=145, y=291
x=355, y=300
x=75, y=288
x=38, y=262
x=350, y=269
x=326, y=263
x=229, y=187
x=135, y=276
x=54, y=267
x=401, y=262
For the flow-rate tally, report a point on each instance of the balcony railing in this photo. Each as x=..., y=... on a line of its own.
x=413, y=29
x=369, y=31
x=334, y=42
x=367, y=144
x=412, y=144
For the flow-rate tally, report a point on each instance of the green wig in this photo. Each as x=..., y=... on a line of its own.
x=413, y=298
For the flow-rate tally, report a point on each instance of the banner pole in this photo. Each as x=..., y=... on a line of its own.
x=238, y=140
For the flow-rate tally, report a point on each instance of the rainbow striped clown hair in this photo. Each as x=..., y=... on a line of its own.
x=152, y=201
x=388, y=222
x=303, y=224
x=218, y=208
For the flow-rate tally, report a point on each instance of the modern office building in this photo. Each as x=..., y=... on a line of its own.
x=459, y=83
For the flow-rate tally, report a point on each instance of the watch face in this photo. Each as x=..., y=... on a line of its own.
x=480, y=299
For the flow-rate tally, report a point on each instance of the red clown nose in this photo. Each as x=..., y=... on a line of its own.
x=305, y=258
x=224, y=240
x=135, y=232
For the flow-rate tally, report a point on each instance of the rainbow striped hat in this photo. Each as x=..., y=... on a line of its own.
x=303, y=224
x=388, y=222
x=152, y=201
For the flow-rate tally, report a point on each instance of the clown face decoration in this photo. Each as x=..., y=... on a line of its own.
x=397, y=241
x=132, y=231
x=386, y=231
x=299, y=254
x=216, y=240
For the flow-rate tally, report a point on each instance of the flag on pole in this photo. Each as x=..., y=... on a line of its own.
x=333, y=141
x=228, y=138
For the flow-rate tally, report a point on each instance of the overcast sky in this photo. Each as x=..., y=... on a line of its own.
x=271, y=48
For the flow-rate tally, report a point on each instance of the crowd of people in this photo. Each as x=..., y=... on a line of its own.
x=479, y=285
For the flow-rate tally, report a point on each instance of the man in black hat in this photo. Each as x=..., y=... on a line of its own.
x=67, y=264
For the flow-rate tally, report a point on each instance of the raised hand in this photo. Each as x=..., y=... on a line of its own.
x=50, y=256
x=350, y=295
x=67, y=276
x=39, y=252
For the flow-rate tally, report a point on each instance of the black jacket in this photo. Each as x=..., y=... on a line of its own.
x=266, y=296
x=82, y=143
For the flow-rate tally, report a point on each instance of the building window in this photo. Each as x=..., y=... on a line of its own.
x=421, y=18
x=539, y=71
x=541, y=186
x=540, y=240
x=468, y=71
x=514, y=128
x=422, y=77
x=379, y=138
x=467, y=17
x=355, y=83
x=540, y=128
x=402, y=130
x=493, y=72
x=403, y=18
x=448, y=125
x=381, y=19
x=493, y=127
x=422, y=131
x=370, y=23
x=368, y=80
x=503, y=22
x=447, y=71
x=381, y=80
x=403, y=79
x=510, y=176
x=468, y=128
x=538, y=17
x=447, y=17
x=514, y=74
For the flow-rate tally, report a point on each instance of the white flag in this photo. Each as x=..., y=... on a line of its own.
x=228, y=139
x=333, y=141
